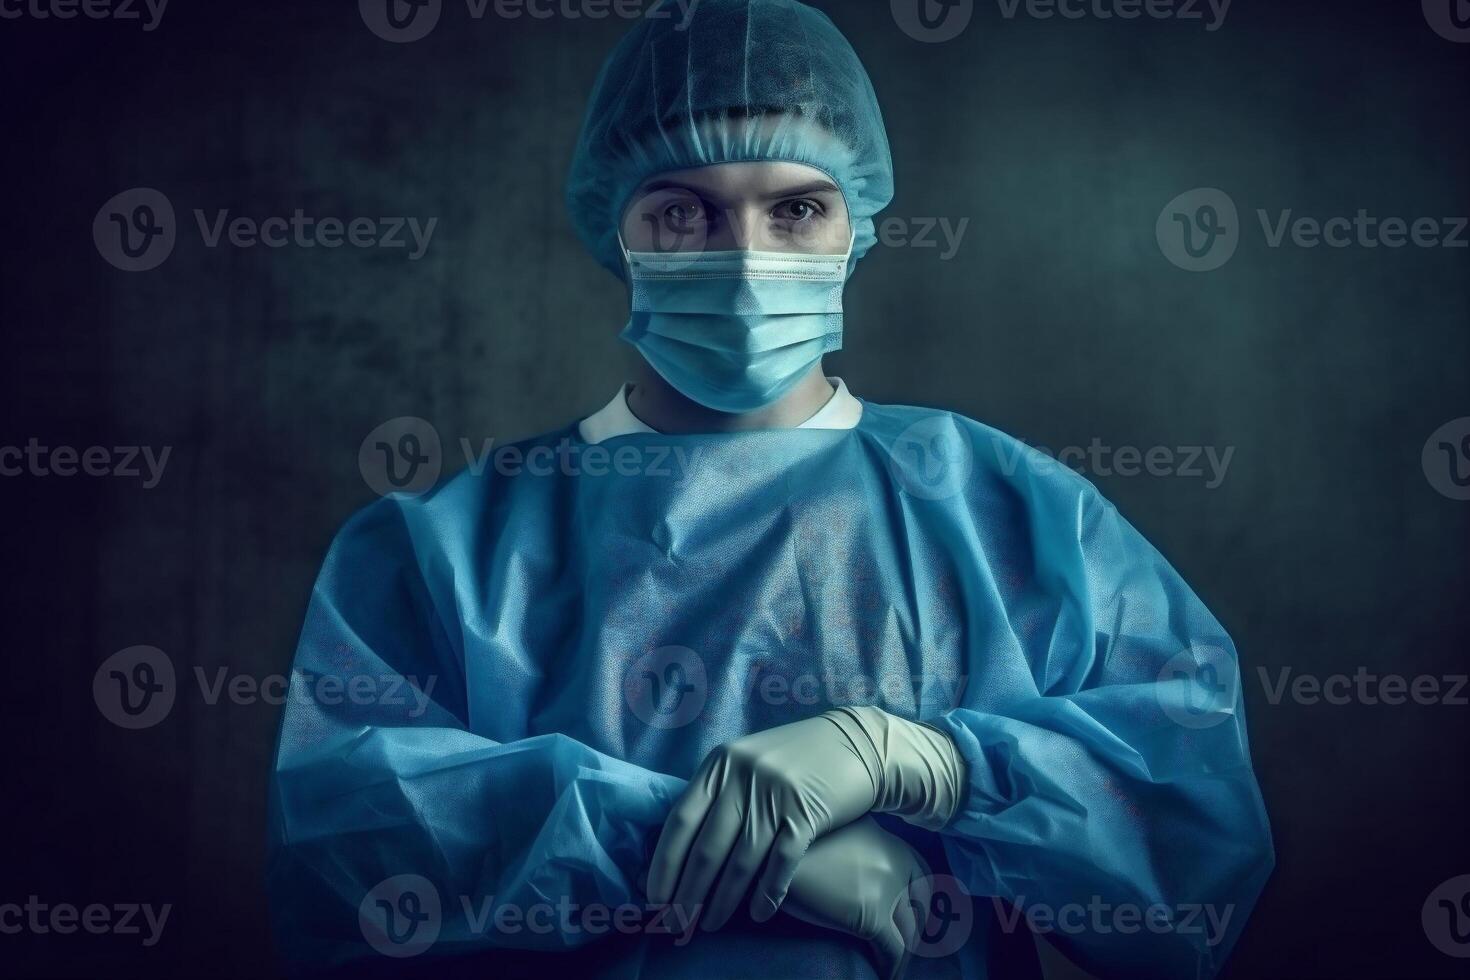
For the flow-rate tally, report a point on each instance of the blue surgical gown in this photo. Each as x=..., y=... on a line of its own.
x=537, y=618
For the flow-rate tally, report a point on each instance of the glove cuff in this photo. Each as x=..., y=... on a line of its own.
x=916, y=769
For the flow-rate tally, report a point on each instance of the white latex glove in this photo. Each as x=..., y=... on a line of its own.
x=916, y=767
x=757, y=803
x=753, y=808
x=864, y=881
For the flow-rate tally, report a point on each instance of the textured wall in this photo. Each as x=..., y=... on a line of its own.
x=1323, y=549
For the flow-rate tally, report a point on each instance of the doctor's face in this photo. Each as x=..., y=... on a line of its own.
x=766, y=206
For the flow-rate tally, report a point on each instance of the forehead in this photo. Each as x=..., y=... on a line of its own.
x=755, y=180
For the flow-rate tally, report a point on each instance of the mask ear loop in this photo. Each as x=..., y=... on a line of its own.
x=627, y=259
x=851, y=244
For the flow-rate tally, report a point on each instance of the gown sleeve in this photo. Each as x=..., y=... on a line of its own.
x=1114, y=806
x=381, y=787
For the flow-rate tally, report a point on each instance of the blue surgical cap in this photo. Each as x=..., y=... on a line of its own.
x=733, y=81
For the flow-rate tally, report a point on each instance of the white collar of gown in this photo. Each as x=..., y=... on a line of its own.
x=842, y=411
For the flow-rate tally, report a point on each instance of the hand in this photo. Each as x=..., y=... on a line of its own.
x=865, y=882
x=754, y=807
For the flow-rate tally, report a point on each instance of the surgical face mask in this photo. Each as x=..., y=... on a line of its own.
x=735, y=331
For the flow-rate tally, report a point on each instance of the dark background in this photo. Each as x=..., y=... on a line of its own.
x=1326, y=548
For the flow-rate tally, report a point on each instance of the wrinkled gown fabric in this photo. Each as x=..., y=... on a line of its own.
x=575, y=644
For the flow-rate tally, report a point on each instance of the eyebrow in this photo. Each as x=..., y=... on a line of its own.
x=814, y=187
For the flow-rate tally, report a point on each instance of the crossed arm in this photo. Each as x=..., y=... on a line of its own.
x=751, y=815
x=1089, y=786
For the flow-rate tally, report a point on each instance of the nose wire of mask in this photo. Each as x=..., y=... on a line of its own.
x=735, y=330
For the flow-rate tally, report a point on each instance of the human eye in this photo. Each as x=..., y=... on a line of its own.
x=674, y=220
x=684, y=214
x=797, y=210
